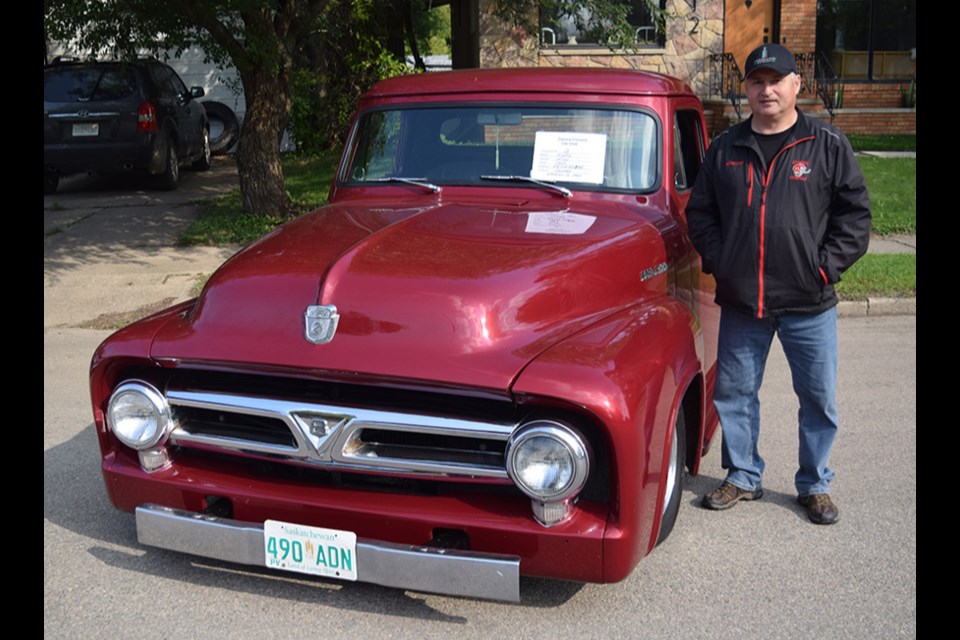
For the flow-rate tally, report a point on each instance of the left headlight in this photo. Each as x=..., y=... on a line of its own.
x=138, y=414
x=548, y=461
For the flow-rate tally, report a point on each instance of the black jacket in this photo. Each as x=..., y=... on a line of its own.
x=777, y=238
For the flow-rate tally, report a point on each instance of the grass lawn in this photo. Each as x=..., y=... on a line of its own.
x=883, y=143
x=224, y=221
x=892, y=183
x=889, y=275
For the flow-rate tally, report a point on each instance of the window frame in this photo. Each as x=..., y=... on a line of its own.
x=544, y=25
x=872, y=50
x=345, y=181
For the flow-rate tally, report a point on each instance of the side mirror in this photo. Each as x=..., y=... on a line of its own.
x=196, y=92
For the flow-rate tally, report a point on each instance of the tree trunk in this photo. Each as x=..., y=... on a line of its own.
x=262, y=185
x=412, y=37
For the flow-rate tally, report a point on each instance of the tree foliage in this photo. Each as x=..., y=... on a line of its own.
x=355, y=44
x=261, y=38
x=302, y=63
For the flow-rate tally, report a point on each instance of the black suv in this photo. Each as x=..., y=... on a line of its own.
x=108, y=117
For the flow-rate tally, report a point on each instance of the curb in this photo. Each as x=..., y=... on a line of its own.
x=877, y=307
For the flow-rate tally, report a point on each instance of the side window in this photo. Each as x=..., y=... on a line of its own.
x=687, y=148
x=160, y=76
x=377, y=146
x=178, y=87
x=167, y=81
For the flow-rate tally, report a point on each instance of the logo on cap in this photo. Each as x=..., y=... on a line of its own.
x=764, y=59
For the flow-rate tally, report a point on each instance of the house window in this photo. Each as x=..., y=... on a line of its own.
x=563, y=27
x=869, y=39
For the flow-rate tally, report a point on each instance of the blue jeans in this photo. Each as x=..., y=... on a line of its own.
x=810, y=345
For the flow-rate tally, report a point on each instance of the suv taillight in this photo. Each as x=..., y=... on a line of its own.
x=146, y=118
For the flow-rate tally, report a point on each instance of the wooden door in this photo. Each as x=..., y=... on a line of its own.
x=746, y=28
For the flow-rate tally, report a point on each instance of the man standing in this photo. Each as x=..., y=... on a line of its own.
x=777, y=213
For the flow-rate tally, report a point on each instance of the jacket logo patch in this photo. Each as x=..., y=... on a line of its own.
x=800, y=170
x=733, y=163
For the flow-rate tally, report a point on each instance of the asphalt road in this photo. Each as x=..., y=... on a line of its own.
x=759, y=570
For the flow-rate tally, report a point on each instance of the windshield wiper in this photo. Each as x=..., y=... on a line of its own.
x=549, y=185
x=417, y=182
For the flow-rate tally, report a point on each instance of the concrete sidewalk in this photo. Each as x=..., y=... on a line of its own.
x=108, y=246
x=109, y=254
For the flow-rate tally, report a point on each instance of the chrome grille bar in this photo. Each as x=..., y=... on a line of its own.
x=344, y=438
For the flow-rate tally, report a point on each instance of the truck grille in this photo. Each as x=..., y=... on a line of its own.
x=338, y=437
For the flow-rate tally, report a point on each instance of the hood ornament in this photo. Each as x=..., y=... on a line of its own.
x=320, y=323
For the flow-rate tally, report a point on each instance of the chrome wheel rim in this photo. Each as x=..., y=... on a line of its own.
x=672, y=471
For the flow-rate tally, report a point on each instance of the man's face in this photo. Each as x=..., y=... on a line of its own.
x=772, y=95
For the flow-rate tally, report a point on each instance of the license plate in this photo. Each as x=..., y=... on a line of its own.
x=324, y=552
x=86, y=129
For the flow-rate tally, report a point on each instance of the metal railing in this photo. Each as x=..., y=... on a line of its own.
x=819, y=78
x=726, y=79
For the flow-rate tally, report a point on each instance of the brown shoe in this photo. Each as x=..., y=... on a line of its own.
x=727, y=495
x=820, y=508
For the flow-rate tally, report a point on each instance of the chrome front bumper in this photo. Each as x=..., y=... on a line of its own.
x=451, y=572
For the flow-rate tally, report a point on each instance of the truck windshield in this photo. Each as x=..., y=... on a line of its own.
x=601, y=149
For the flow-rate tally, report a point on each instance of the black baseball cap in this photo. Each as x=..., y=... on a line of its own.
x=770, y=56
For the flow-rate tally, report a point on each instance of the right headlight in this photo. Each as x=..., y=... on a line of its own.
x=138, y=414
x=548, y=461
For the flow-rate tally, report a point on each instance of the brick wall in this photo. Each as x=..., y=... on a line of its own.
x=899, y=121
x=877, y=95
x=798, y=24
x=719, y=115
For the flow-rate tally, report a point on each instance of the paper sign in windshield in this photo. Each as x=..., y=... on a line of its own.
x=569, y=156
x=558, y=222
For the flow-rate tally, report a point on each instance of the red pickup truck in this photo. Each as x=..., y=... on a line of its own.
x=489, y=355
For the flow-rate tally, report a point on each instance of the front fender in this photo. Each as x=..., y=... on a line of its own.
x=126, y=348
x=631, y=372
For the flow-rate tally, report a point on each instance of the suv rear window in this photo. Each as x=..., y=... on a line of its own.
x=86, y=84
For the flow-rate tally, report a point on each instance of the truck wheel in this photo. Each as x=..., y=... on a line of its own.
x=671, y=496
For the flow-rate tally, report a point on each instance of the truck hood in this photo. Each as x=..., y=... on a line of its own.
x=459, y=293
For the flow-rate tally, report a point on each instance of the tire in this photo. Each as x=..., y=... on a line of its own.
x=675, y=472
x=224, y=127
x=203, y=162
x=50, y=182
x=169, y=180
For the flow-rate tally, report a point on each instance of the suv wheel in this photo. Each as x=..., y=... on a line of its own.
x=203, y=162
x=170, y=177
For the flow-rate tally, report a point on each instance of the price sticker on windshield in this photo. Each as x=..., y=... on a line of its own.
x=560, y=156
